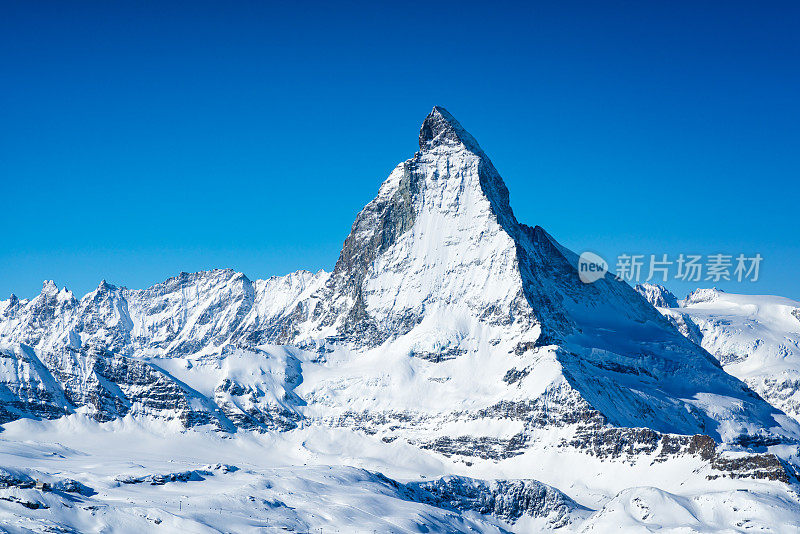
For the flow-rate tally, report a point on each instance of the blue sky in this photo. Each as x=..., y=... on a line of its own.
x=146, y=139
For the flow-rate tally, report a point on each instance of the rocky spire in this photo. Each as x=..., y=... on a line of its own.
x=442, y=129
x=49, y=287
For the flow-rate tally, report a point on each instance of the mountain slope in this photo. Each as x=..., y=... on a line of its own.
x=756, y=338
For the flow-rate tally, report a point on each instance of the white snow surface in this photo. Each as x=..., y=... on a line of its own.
x=449, y=341
x=136, y=476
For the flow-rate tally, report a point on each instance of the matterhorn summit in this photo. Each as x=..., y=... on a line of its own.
x=437, y=243
x=451, y=347
x=437, y=269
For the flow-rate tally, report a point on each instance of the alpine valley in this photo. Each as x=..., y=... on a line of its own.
x=451, y=374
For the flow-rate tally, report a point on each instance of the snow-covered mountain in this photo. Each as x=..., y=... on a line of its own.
x=756, y=338
x=657, y=295
x=448, y=337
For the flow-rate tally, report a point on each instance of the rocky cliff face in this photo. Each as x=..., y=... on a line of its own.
x=507, y=499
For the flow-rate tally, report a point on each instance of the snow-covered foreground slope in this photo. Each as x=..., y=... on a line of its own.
x=449, y=340
x=132, y=476
x=756, y=338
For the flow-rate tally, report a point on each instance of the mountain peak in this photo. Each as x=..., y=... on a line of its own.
x=657, y=295
x=702, y=295
x=440, y=128
x=104, y=287
x=49, y=287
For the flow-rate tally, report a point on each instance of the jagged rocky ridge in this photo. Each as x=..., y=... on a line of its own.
x=445, y=323
x=657, y=295
x=60, y=354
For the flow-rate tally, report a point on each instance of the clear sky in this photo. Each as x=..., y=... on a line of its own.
x=142, y=139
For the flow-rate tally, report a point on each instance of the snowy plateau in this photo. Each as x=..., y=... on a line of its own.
x=451, y=374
